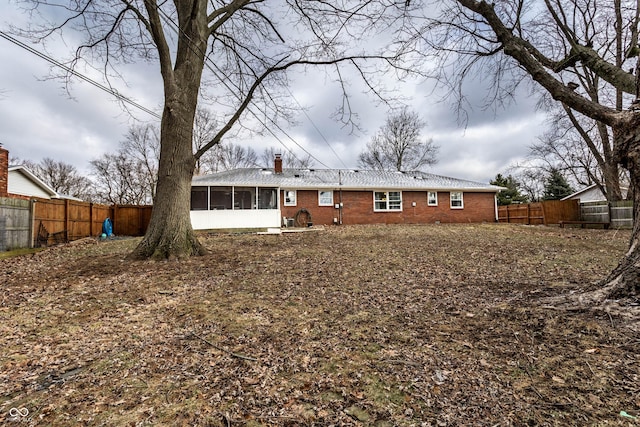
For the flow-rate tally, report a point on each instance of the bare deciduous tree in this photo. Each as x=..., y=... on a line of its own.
x=62, y=177
x=399, y=145
x=120, y=180
x=511, y=41
x=290, y=159
x=142, y=147
x=227, y=156
x=246, y=47
x=578, y=144
x=577, y=147
x=129, y=176
x=204, y=129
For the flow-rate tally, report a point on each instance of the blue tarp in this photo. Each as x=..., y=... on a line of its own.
x=107, y=227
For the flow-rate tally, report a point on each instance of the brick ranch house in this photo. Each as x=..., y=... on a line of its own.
x=264, y=198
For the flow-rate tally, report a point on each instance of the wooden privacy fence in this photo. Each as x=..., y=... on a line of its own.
x=540, y=213
x=617, y=214
x=26, y=223
x=130, y=220
x=56, y=221
x=66, y=220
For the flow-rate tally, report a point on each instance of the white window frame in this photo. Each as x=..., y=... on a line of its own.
x=435, y=194
x=323, y=200
x=386, y=200
x=288, y=201
x=461, y=200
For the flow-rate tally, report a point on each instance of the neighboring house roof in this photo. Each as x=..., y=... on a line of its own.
x=23, y=182
x=68, y=197
x=591, y=193
x=342, y=179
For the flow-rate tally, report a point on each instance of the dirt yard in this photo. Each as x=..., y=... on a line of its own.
x=437, y=325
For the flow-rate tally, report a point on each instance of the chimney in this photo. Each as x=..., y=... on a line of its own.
x=277, y=164
x=4, y=172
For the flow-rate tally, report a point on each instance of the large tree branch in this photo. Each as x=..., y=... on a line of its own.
x=221, y=15
x=611, y=73
x=518, y=49
x=608, y=72
x=585, y=136
x=157, y=33
x=279, y=67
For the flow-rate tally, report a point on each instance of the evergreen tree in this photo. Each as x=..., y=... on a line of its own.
x=512, y=193
x=556, y=186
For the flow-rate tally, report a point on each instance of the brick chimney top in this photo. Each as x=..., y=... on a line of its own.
x=4, y=172
x=277, y=164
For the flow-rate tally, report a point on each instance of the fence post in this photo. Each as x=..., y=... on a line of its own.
x=32, y=223
x=3, y=234
x=114, y=213
x=140, y=217
x=66, y=219
x=528, y=214
x=90, y=219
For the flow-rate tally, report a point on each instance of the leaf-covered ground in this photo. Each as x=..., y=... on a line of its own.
x=374, y=325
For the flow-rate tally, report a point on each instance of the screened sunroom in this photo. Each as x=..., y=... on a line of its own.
x=214, y=207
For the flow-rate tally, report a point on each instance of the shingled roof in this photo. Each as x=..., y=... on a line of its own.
x=340, y=179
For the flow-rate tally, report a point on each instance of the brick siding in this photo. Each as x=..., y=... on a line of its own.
x=4, y=172
x=358, y=208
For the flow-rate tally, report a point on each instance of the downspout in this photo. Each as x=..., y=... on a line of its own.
x=495, y=207
x=340, y=198
x=283, y=222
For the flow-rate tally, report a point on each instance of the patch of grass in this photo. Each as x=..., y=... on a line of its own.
x=383, y=393
x=19, y=252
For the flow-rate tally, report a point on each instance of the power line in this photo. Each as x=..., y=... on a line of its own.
x=127, y=100
x=190, y=43
x=317, y=129
x=70, y=70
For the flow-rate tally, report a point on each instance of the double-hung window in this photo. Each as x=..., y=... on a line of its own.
x=325, y=198
x=432, y=198
x=387, y=201
x=290, y=197
x=456, y=200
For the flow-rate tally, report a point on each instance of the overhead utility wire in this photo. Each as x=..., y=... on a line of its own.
x=317, y=129
x=180, y=33
x=70, y=70
x=273, y=122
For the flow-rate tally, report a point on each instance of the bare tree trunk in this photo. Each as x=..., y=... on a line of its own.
x=611, y=177
x=624, y=280
x=170, y=234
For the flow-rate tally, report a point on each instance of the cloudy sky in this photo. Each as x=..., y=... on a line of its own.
x=39, y=119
